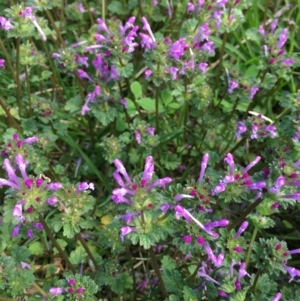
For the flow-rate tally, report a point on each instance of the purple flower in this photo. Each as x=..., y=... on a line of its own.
x=277, y=297
x=148, y=72
x=56, y=290
x=202, y=66
x=125, y=230
x=28, y=14
x=138, y=137
x=251, y=164
x=83, y=74
x=274, y=25
x=240, y=129
x=229, y=160
x=203, y=167
x=2, y=61
x=202, y=33
x=190, y=7
x=147, y=42
x=147, y=27
x=80, y=7
x=102, y=26
x=5, y=24
x=282, y=38
x=84, y=186
x=173, y=71
x=177, y=49
x=151, y=130
x=232, y=85
x=253, y=91
x=293, y=272
x=241, y=229
x=287, y=62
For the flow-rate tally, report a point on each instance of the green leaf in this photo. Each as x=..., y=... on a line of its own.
x=287, y=224
x=36, y=248
x=148, y=104
x=74, y=104
x=189, y=294
x=78, y=256
x=136, y=89
x=166, y=97
x=116, y=7
x=46, y=74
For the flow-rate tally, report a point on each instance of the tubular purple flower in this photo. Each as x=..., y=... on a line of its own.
x=240, y=129
x=148, y=72
x=293, y=272
x=121, y=169
x=128, y=24
x=127, y=218
x=202, y=33
x=220, y=260
x=83, y=74
x=277, y=297
x=204, y=162
x=118, y=179
x=5, y=24
x=227, y=179
x=84, y=186
x=8, y=183
x=52, y=200
x=258, y=185
x=138, y=137
x=25, y=265
x=237, y=284
x=30, y=234
x=22, y=166
x=218, y=189
x=38, y=226
x=219, y=223
x=102, y=26
x=2, y=61
x=274, y=25
x=16, y=230
x=251, y=164
x=296, y=251
x=223, y=294
x=294, y=196
x=118, y=196
x=241, y=229
x=165, y=207
x=282, y=38
x=203, y=66
x=179, y=197
x=207, y=277
x=242, y=271
x=229, y=160
x=253, y=91
x=279, y=182
x=151, y=130
x=125, y=230
x=17, y=211
x=160, y=182
x=56, y=290
x=261, y=30
x=232, y=85
x=28, y=13
x=10, y=172
x=149, y=169
x=146, y=27
x=54, y=186
x=181, y=211
x=190, y=7
x=31, y=140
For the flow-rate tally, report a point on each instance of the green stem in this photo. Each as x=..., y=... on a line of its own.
x=19, y=88
x=156, y=110
x=158, y=274
x=40, y=290
x=28, y=90
x=89, y=11
x=87, y=249
x=9, y=116
x=5, y=299
x=60, y=38
x=255, y=280
x=132, y=272
x=7, y=59
x=245, y=213
x=221, y=60
x=103, y=10
x=55, y=243
x=250, y=246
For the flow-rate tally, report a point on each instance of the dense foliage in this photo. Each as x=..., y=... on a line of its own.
x=150, y=150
